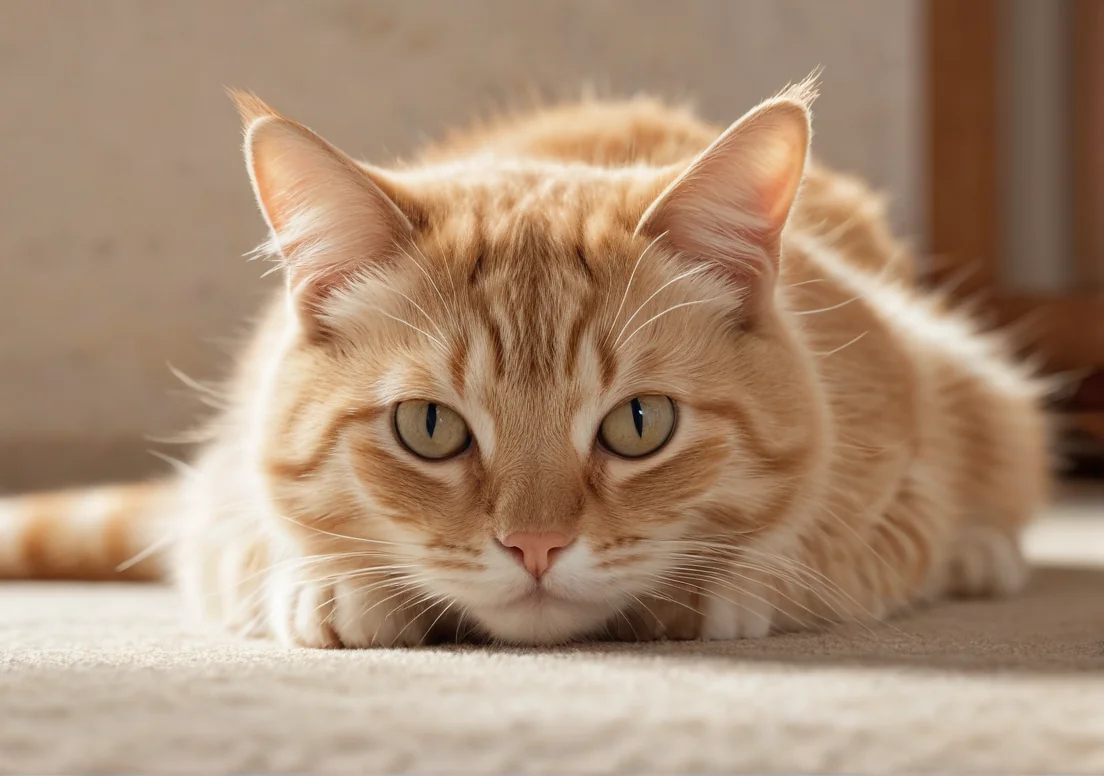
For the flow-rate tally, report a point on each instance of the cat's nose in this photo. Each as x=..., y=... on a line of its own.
x=536, y=551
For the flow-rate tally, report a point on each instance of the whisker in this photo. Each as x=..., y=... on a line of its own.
x=182, y=468
x=303, y=562
x=364, y=572
x=419, y=308
x=655, y=617
x=201, y=388
x=431, y=597
x=688, y=273
x=870, y=548
x=628, y=285
x=448, y=308
x=683, y=585
x=316, y=529
x=664, y=597
x=807, y=282
x=847, y=344
x=839, y=615
x=737, y=557
x=433, y=624
x=723, y=582
x=661, y=314
x=402, y=591
x=386, y=314
x=711, y=593
x=152, y=549
x=372, y=586
x=459, y=624
x=625, y=617
x=829, y=308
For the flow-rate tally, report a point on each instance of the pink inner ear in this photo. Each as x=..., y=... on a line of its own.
x=328, y=218
x=778, y=189
x=730, y=206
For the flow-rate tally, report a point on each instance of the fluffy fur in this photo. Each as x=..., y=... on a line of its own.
x=844, y=447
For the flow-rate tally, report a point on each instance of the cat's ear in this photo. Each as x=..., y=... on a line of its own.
x=328, y=218
x=730, y=206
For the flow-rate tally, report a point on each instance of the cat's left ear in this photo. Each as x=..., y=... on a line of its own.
x=730, y=206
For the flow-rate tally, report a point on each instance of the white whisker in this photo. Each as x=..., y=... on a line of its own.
x=419, y=308
x=182, y=468
x=661, y=314
x=386, y=314
x=830, y=308
x=337, y=535
x=688, y=273
x=847, y=344
x=436, y=288
x=628, y=285
x=149, y=551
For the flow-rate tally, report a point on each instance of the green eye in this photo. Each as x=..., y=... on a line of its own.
x=430, y=430
x=638, y=427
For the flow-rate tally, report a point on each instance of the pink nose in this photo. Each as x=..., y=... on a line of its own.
x=536, y=551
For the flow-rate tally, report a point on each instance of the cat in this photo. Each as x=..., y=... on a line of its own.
x=598, y=370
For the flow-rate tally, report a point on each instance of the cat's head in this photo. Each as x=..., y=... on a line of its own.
x=540, y=392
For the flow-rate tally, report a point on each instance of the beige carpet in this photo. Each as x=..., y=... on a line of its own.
x=109, y=679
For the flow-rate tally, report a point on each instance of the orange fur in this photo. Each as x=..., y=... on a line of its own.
x=844, y=447
x=99, y=533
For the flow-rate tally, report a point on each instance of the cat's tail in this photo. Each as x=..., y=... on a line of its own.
x=108, y=532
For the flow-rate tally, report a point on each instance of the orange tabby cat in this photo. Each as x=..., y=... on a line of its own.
x=601, y=369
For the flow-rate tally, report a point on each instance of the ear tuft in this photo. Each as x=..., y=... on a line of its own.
x=804, y=92
x=251, y=108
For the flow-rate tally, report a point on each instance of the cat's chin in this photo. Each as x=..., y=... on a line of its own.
x=542, y=620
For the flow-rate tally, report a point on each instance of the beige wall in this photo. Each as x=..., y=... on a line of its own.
x=126, y=212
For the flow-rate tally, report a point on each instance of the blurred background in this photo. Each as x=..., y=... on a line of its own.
x=127, y=211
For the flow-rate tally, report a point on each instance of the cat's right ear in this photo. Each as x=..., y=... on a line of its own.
x=328, y=219
x=727, y=210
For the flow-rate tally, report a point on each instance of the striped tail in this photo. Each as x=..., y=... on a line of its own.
x=111, y=532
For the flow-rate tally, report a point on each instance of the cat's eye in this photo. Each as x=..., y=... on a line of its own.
x=431, y=430
x=639, y=427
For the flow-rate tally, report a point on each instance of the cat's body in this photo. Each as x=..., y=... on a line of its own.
x=841, y=447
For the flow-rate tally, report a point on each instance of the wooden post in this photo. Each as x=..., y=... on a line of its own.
x=1088, y=140
x=962, y=114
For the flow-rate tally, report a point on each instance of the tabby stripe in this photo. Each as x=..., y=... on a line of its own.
x=78, y=534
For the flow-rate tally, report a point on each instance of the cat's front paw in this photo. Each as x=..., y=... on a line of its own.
x=671, y=616
x=986, y=561
x=730, y=614
x=338, y=613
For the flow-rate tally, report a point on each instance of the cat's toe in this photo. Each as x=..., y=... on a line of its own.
x=986, y=561
x=726, y=619
x=299, y=615
x=341, y=614
x=364, y=620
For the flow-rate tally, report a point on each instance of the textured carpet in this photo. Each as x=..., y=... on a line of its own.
x=111, y=679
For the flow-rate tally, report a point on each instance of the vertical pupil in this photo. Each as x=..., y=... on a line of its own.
x=431, y=418
x=638, y=416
